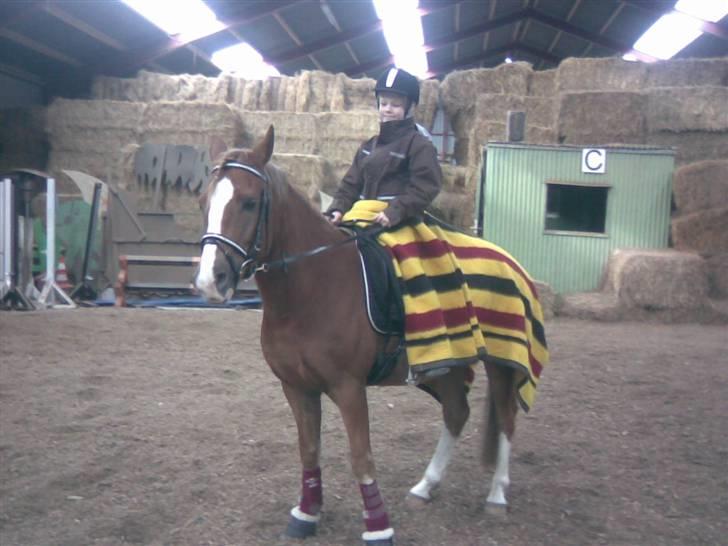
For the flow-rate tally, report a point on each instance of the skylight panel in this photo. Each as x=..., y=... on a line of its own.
x=244, y=61
x=669, y=35
x=186, y=20
x=707, y=10
x=402, y=28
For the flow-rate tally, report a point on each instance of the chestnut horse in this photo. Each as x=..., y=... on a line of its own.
x=316, y=335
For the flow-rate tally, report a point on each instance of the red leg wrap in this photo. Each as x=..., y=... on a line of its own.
x=375, y=515
x=312, y=493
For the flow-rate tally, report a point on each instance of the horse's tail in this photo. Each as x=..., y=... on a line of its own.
x=500, y=410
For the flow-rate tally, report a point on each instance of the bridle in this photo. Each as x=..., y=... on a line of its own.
x=250, y=264
x=248, y=267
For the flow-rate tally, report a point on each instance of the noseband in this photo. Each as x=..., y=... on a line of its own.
x=249, y=255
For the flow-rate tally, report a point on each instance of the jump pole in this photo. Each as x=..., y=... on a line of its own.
x=51, y=288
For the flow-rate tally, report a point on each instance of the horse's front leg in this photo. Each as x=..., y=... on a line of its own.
x=352, y=403
x=307, y=411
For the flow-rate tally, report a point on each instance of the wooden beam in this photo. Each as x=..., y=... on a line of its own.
x=53, y=9
x=20, y=74
x=39, y=48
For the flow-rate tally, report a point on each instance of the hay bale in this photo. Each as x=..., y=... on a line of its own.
x=687, y=72
x=313, y=91
x=701, y=185
x=680, y=109
x=191, y=123
x=459, y=89
x=542, y=83
x=307, y=173
x=589, y=306
x=358, y=93
x=603, y=74
x=294, y=132
x=455, y=209
x=657, y=279
x=454, y=178
x=692, y=146
x=429, y=97
x=718, y=275
x=339, y=134
x=152, y=86
x=705, y=231
x=601, y=117
x=540, y=111
x=548, y=299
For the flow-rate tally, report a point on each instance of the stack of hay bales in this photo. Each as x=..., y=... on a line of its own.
x=23, y=141
x=700, y=223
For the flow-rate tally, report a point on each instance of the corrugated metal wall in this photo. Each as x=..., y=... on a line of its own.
x=514, y=205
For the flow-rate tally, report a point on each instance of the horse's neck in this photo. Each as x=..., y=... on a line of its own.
x=296, y=228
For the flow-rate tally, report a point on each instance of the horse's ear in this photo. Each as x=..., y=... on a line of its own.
x=217, y=147
x=264, y=149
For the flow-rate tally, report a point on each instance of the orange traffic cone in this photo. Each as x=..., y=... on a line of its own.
x=62, y=274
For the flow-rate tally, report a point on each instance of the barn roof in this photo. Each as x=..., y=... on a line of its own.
x=62, y=45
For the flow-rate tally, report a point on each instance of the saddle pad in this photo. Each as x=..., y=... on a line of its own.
x=464, y=298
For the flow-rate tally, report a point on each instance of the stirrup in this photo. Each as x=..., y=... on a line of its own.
x=413, y=378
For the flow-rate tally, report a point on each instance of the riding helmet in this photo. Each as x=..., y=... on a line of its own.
x=396, y=80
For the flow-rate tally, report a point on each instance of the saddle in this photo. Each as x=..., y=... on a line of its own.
x=383, y=300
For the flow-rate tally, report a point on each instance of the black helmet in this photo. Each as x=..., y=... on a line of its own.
x=396, y=80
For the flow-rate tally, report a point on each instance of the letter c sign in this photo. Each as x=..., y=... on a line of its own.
x=594, y=160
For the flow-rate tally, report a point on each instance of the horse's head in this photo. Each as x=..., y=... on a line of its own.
x=235, y=206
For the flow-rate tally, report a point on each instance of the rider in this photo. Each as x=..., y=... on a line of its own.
x=399, y=165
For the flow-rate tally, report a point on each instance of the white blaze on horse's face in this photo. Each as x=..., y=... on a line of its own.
x=205, y=281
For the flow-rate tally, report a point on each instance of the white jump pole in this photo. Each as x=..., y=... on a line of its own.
x=50, y=288
x=7, y=217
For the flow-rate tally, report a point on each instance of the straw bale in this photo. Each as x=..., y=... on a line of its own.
x=23, y=140
x=454, y=178
x=248, y=94
x=547, y=298
x=294, y=132
x=687, y=109
x=542, y=83
x=429, y=96
x=458, y=89
x=540, y=135
x=718, y=275
x=589, y=306
x=191, y=123
x=90, y=162
x=152, y=86
x=600, y=117
x=687, y=72
x=97, y=126
x=704, y=231
x=692, y=146
x=339, y=134
x=313, y=91
x=603, y=74
x=359, y=93
x=268, y=98
x=657, y=279
x=540, y=111
x=701, y=185
x=307, y=173
x=454, y=208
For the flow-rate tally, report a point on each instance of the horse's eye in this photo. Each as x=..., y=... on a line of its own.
x=250, y=205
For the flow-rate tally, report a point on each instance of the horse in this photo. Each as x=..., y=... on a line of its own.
x=316, y=336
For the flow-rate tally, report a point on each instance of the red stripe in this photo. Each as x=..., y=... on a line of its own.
x=438, y=248
x=501, y=320
x=536, y=366
x=450, y=318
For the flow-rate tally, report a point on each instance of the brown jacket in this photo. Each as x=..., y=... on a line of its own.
x=399, y=165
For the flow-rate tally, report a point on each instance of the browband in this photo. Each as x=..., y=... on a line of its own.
x=243, y=166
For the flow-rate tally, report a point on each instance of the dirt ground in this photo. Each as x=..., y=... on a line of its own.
x=138, y=426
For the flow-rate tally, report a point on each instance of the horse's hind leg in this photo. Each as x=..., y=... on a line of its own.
x=499, y=430
x=307, y=411
x=450, y=389
x=352, y=402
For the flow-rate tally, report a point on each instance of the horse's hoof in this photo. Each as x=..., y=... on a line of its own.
x=297, y=528
x=496, y=509
x=415, y=501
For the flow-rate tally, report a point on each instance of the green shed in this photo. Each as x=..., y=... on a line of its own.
x=561, y=210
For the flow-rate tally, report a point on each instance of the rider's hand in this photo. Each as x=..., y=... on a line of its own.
x=382, y=219
x=335, y=217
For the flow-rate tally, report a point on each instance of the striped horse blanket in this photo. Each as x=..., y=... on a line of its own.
x=464, y=298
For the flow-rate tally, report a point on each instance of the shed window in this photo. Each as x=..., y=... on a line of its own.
x=576, y=208
x=443, y=137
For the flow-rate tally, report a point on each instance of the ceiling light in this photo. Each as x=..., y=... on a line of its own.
x=402, y=28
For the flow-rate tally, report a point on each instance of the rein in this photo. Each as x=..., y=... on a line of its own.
x=250, y=265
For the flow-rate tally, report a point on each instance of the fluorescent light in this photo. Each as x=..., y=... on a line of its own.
x=185, y=19
x=669, y=35
x=508, y=60
x=402, y=27
x=707, y=10
x=244, y=61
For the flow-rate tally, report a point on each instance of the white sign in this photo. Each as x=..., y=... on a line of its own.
x=594, y=160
